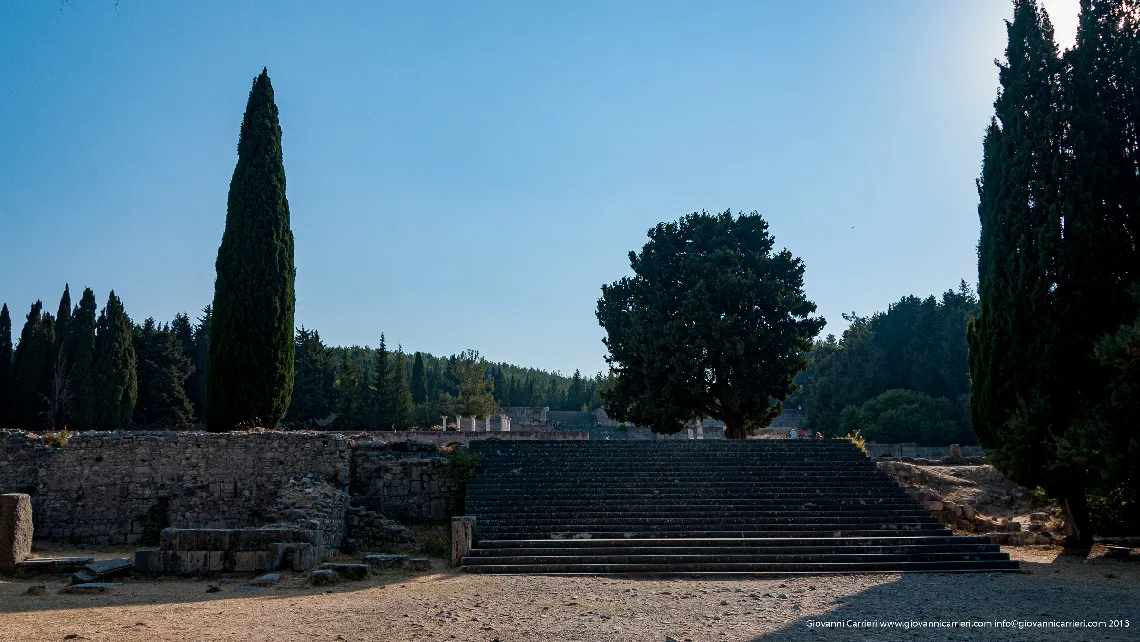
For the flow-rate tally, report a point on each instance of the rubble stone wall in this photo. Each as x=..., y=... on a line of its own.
x=115, y=487
x=409, y=487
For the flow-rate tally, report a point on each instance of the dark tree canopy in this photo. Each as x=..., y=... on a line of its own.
x=1059, y=200
x=115, y=370
x=714, y=323
x=32, y=369
x=163, y=368
x=81, y=348
x=5, y=366
x=250, y=370
x=313, y=388
x=419, y=380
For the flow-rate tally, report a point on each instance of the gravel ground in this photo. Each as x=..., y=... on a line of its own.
x=443, y=605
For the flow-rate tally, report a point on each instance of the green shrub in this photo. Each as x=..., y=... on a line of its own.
x=57, y=439
x=856, y=438
x=464, y=464
x=1117, y=512
x=436, y=543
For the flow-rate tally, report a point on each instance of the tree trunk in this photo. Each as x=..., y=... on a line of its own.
x=734, y=429
x=1078, y=522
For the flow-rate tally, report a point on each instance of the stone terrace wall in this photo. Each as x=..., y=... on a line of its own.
x=409, y=487
x=21, y=454
x=110, y=487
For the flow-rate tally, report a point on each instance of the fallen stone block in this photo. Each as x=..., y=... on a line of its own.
x=93, y=587
x=36, y=589
x=107, y=569
x=84, y=577
x=419, y=563
x=348, y=571
x=321, y=577
x=269, y=579
x=38, y=565
x=15, y=530
x=381, y=560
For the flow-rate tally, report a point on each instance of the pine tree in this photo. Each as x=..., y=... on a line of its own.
x=315, y=379
x=81, y=349
x=1019, y=392
x=32, y=369
x=162, y=371
x=5, y=367
x=250, y=372
x=380, y=389
x=419, y=380
x=352, y=409
x=196, y=384
x=116, y=374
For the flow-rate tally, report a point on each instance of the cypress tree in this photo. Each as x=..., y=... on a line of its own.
x=380, y=390
x=1018, y=405
x=250, y=369
x=63, y=322
x=196, y=384
x=162, y=372
x=32, y=369
x=116, y=374
x=81, y=348
x=419, y=380
x=401, y=396
x=5, y=367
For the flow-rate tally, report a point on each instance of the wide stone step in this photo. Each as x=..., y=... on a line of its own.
x=491, y=505
x=669, y=514
x=624, y=521
x=745, y=542
x=643, y=533
x=775, y=569
x=668, y=551
x=679, y=558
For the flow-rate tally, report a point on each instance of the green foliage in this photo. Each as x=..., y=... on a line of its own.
x=473, y=389
x=400, y=406
x=352, y=411
x=57, y=439
x=917, y=344
x=436, y=543
x=115, y=368
x=250, y=368
x=907, y=416
x=63, y=327
x=32, y=369
x=315, y=379
x=714, y=323
x=81, y=347
x=163, y=369
x=419, y=386
x=5, y=366
x=463, y=464
x=1117, y=512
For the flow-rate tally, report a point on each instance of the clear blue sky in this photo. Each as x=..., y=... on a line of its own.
x=468, y=174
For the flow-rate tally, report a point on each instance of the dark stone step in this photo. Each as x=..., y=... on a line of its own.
x=629, y=521
x=577, y=551
x=746, y=569
x=643, y=533
x=666, y=514
x=678, y=558
x=944, y=540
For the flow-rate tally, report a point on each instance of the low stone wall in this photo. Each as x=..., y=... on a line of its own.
x=442, y=438
x=112, y=488
x=914, y=451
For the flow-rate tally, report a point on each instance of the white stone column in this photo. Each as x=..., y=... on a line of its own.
x=504, y=423
x=488, y=423
x=444, y=420
x=690, y=433
x=458, y=424
x=700, y=432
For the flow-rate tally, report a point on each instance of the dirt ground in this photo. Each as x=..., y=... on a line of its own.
x=444, y=605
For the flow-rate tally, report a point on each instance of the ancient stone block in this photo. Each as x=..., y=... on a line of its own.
x=321, y=577
x=276, y=552
x=269, y=579
x=419, y=563
x=348, y=571
x=216, y=561
x=15, y=529
x=380, y=560
x=438, y=508
x=194, y=561
x=245, y=561
x=462, y=537
x=86, y=589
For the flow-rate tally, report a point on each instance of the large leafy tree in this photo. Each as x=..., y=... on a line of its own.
x=5, y=365
x=472, y=390
x=250, y=371
x=162, y=372
x=81, y=348
x=116, y=368
x=32, y=369
x=713, y=323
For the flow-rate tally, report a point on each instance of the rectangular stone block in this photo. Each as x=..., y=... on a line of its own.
x=15, y=529
x=300, y=556
x=194, y=561
x=150, y=560
x=218, y=539
x=245, y=561
x=276, y=556
x=216, y=561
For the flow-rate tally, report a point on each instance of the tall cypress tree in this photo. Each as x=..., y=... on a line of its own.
x=196, y=384
x=1019, y=402
x=32, y=369
x=63, y=322
x=5, y=367
x=419, y=380
x=81, y=348
x=250, y=369
x=380, y=389
x=116, y=373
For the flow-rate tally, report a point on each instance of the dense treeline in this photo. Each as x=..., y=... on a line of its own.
x=898, y=376
x=1052, y=352
x=86, y=371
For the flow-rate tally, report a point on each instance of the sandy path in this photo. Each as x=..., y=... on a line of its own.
x=444, y=605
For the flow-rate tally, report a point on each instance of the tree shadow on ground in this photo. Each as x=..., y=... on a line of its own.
x=1070, y=588
x=181, y=590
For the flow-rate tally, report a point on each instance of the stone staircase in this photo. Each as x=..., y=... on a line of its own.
x=702, y=507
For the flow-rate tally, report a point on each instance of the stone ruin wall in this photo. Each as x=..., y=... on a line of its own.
x=405, y=486
x=112, y=488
